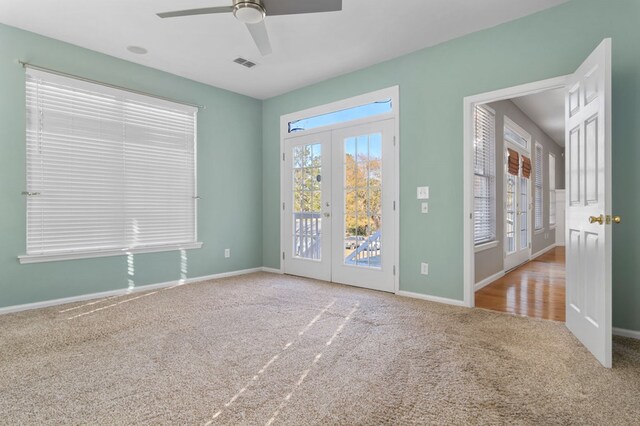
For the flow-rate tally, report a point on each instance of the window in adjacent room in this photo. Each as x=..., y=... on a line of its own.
x=484, y=176
x=108, y=171
x=539, y=165
x=552, y=190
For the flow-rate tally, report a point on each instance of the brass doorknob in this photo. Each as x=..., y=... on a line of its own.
x=596, y=219
x=617, y=219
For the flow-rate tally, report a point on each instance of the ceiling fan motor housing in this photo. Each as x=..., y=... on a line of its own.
x=249, y=11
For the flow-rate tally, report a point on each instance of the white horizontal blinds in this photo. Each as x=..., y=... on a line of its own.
x=552, y=189
x=484, y=176
x=159, y=175
x=106, y=169
x=538, y=187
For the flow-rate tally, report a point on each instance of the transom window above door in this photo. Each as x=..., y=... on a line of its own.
x=516, y=134
x=349, y=114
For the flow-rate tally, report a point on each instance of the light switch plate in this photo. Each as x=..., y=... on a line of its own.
x=424, y=268
x=423, y=193
x=424, y=207
x=227, y=253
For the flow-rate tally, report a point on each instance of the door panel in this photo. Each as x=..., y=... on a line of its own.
x=588, y=124
x=308, y=195
x=517, y=218
x=363, y=175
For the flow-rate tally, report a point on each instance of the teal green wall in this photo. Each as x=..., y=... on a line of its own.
x=229, y=176
x=239, y=176
x=433, y=83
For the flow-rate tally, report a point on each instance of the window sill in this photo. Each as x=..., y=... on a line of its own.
x=40, y=258
x=486, y=246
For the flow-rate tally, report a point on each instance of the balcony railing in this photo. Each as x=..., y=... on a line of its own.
x=367, y=253
x=307, y=242
x=306, y=238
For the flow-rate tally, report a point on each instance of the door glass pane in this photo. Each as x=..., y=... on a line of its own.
x=362, y=189
x=523, y=207
x=307, y=200
x=510, y=213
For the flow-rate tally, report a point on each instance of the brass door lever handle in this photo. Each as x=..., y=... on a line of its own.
x=614, y=219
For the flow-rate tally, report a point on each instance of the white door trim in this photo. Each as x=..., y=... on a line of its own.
x=392, y=93
x=469, y=104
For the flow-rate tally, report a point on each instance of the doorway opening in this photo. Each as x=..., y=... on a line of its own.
x=588, y=202
x=339, y=180
x=519, y=234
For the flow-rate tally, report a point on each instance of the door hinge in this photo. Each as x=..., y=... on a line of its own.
x=394, y=141
x=394, y=206
x=282, y=206
x=470, y=215
x=394, y=269
x=282, y=255
x=283, y=156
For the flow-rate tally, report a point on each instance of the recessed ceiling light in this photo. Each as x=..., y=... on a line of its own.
x=137, y=50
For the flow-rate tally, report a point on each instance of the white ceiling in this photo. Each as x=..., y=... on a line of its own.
x=546, y=109
x=307, y=48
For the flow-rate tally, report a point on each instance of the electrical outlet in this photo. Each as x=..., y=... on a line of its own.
x=424, y=268
x=227, y=253
x=425, y=208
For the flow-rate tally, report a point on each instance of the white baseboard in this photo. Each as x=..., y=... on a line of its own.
x=626, y=333
x=272, y=270
x=123, y=291
x=488, y=280
x=543, y=251
x=431, y=298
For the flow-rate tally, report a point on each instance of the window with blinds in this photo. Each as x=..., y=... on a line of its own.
x=484, y=188
x=108, y=171
x=552, y=189
x=538, y=200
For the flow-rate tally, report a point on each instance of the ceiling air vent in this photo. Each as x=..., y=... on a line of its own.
x=245, y=63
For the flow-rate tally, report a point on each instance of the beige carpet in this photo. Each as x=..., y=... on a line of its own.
x=266, y=349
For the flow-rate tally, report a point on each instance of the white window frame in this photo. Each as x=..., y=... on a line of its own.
x=70, y=254
x=493, y=240
x=514, y=127
x=538, y=186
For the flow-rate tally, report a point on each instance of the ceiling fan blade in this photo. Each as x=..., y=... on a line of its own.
x=260, y=37
x=292, y=7
x=201, y=11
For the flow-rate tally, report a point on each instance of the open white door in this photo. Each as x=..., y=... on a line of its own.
x=588, y=220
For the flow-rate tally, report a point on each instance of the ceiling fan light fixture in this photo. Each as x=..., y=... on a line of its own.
x=249, y=12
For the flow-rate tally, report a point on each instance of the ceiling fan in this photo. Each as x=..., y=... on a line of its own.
x=253, y=12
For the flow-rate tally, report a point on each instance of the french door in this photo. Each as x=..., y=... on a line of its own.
x=517, y=214
x=339, y=205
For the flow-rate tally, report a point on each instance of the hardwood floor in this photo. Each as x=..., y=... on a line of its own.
x=535, y=289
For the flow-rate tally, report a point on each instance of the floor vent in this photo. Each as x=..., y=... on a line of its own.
x=244, y=62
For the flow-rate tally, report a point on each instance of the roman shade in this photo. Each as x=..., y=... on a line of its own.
x=513, y=162
x=526, y=167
